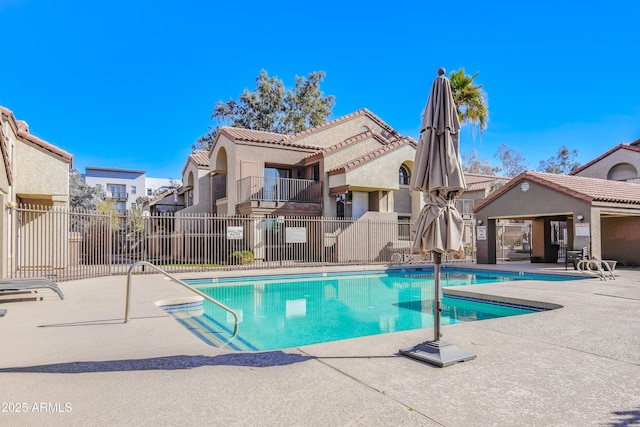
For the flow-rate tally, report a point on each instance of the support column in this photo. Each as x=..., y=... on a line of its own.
x=595, y=231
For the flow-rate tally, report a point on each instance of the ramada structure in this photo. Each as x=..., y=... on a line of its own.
x=598, y=206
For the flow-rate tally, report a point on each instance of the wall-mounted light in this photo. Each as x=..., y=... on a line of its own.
x=11, y=205
x=580, y=217
x=479, y=222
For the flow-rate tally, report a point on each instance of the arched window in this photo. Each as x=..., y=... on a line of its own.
x=622, y=172
x=405, y=175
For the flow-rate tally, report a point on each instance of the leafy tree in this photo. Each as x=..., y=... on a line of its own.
x=304, y=105
x=205, y=142
x=470, y=99
x=513, y=162
x=563, y=163
x=471, y=163
x=270, y=108
x=83, y=196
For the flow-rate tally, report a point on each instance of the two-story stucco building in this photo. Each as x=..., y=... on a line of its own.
x=33, y=172
x=343, y=168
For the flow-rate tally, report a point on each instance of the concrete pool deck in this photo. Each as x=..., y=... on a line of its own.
x=74, y=362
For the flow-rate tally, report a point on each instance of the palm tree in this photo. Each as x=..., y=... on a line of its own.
x=470, y=99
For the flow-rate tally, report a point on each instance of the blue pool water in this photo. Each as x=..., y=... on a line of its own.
x=290, y=311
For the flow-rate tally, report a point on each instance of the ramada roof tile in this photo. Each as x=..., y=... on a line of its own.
x=579, y=187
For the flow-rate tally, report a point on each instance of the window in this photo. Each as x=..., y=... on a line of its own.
x=133, y=189
x=622, y=172
x=276, y=179
x=118, y=191
x=315, y=172
x=405, y=176
x=149, y=192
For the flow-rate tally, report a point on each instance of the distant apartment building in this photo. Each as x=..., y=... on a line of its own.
x=125, y=186
x=156, y=186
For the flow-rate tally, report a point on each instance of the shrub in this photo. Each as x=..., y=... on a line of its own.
x=242, y=257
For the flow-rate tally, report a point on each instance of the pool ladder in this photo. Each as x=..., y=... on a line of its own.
x=180, y=282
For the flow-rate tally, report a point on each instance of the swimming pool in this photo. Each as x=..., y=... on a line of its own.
x=277, y=312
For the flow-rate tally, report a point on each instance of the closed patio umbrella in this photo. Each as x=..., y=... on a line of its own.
x=438, y=174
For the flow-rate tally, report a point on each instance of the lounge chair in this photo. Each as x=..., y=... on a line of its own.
x=573, y=257
x=602, y=267
x=9, y=285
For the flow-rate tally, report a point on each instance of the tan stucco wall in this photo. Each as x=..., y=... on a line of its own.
x=376, y=175
x=538, y=200
x=402, y=202
x=382, y=173
x=372, y=238
x=201, y=187
x=227, y=205
x=260, y=154
x=601, y=168
x=351, y=152
x=340, y=131
x=621, y=241
x=39, y=174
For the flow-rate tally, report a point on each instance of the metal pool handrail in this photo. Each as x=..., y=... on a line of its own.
x=180, y=282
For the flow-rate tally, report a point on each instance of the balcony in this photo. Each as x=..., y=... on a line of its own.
x=274, y=192
x=117, y=195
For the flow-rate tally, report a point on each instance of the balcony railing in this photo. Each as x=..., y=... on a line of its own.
x=117, y=195
x=279, y=190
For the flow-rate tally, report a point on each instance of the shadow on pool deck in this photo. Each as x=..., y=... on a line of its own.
x=256, y=360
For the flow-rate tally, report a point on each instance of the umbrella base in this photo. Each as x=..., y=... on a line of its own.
x=439, y=353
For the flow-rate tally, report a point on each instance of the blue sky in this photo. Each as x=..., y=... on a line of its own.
x=132, y=84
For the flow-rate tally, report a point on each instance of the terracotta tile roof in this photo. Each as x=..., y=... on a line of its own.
x=34, y=139
x=635, y=143
x=152, y=200
x=393, y=134
x=579, y=187
x=250, y=135
x=614, y=149
x=471, y=177
x=235, y=133
x=483, y=185
x=200, y=158
x=347, y=142
x=355, y=163
x=241, y=134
